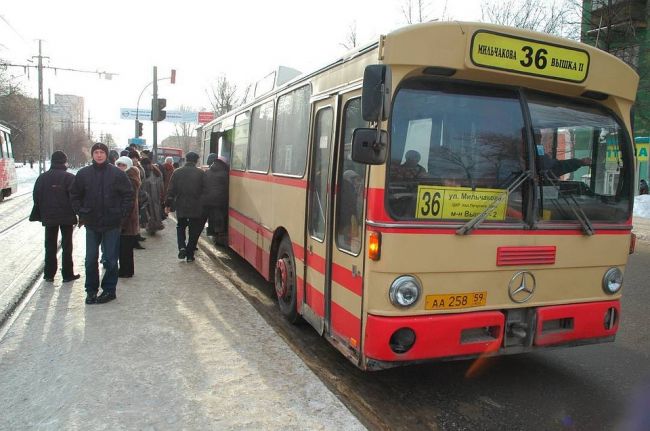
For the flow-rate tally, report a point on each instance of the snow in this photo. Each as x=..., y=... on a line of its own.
x=642, y=206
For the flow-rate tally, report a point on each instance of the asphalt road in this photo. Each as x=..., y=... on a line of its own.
x=598, y=387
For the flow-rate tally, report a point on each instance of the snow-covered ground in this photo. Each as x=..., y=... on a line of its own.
x=642, y=206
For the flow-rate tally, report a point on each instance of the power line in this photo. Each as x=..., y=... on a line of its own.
x=40, y=67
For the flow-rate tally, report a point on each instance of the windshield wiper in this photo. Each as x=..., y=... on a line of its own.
x=580, y=215
x=473, y=223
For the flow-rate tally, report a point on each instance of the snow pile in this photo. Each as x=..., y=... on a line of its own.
x=25, y=174
x=642, y=206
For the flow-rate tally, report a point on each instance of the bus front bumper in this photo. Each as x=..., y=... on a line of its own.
x=463, y=335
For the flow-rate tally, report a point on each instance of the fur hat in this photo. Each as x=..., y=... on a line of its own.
x=113, y=155
x=134, y=154
x=169, y=159
x=58, y=157
x=125, y=161
x=192, y=157
x=99, y=146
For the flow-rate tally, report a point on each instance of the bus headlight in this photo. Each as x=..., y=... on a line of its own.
x=612, y=281
x=405, y=291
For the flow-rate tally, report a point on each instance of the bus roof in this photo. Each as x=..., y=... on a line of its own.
x=411, y=46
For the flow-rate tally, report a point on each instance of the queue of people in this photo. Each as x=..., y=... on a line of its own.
x=117, y=195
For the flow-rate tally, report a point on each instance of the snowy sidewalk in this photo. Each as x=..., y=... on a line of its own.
x=180, y=348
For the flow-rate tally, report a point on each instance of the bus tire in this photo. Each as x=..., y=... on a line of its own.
x=285, y=281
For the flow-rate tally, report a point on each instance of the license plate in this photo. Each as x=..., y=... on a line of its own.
x=455, y=301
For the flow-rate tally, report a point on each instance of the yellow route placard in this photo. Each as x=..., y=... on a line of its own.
x=530, y=57
x=458, y=203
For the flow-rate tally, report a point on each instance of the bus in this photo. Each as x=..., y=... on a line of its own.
x=455, y=190
x=175, y=153
x=8, y=178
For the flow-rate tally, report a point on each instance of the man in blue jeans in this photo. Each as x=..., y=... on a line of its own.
x=102, y=196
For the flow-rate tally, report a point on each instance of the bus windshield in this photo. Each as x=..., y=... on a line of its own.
x=456, y=147
x=580, y=157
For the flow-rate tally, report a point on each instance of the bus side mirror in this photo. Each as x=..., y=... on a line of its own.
x=375, y=92
x=369, y=146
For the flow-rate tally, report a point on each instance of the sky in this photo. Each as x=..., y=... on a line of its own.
x=242, y=40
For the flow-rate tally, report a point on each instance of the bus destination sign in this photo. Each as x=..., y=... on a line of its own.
x=529, y=57
x=458, y=203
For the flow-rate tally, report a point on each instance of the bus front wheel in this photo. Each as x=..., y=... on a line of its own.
x=285, y=280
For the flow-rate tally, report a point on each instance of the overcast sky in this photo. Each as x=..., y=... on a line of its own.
x=243, y=40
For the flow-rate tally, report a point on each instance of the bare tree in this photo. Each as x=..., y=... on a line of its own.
x=21, y=114
x=184, y=133
x=350, y=41
x=223, y=96
x=75, y=143
x=557, y=17
x=7, y=84
x=415, y=11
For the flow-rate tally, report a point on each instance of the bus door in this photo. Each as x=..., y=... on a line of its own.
x=347, y=256
x=318, y=214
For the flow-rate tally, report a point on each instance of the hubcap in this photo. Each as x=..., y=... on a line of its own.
x=281, y=278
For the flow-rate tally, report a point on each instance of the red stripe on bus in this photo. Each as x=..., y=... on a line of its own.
x=286, y=181
x=316, y=262
x=344, y=277
x=346, y=324
x=340, y=275
x=250, y=223
x=316, y=300
x=250, y=251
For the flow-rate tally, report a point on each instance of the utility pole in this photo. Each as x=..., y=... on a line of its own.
x=154, y=111
x=40, y=67
x=90, y=136
x=41, y=138
x=49, y=121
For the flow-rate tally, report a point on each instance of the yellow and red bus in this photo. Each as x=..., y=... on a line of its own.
x=175, y=153
x=8, y=178
x=454, y=190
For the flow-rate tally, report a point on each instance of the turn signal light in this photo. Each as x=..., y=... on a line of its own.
x=374, y=245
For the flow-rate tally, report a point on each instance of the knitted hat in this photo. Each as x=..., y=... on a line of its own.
x=99, y=146
x=58, y=157
x=192, y=157
x=211, y=158
x=125, y=161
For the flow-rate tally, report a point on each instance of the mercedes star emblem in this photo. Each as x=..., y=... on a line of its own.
x=522, y=286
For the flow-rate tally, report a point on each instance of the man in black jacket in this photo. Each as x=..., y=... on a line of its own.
x=52, y=207
x=184, y=197
x=102, y=196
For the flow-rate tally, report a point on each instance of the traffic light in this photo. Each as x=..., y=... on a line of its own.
x=138, y=128
x=158, y=109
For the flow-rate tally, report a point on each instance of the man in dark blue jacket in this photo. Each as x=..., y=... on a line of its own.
x=102, y=196
x=52, y=207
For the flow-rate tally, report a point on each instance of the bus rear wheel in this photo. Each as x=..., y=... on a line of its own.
x=285, y=281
